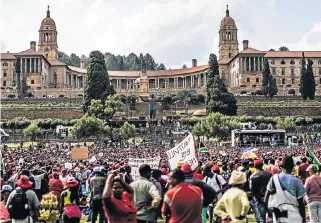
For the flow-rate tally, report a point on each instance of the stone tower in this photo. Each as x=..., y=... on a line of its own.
x=228, y=45
x=48, y=37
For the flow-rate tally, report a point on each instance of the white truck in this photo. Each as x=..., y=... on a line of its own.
x=4, y=136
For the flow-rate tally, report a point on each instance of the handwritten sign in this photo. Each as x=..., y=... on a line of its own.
x=68, y=166
x=79, y=153
x=183, y=152
x=136, y=163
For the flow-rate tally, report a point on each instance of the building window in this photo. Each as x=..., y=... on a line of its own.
x=319, y=62
x=320, y=71
x=273, y=62
x=55, y=79
x=292, y=80
x=273, y=71
x=282, y=62
x=32, y=82
x=4, y=74
x=283, y=71
x=229, y=55
x=5, y=64
x=247, y=79
x=320, y=81
x=283, y=80
x=4, y=83
x=257, y=80
x=292, y=62
x=292, y=71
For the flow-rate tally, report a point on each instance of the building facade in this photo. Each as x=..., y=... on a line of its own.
x=241, y=70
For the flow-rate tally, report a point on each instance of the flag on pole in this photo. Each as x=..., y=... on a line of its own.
x=203, y=148
x=314, y=158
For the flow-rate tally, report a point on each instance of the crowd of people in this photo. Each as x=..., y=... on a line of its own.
x=276, y=186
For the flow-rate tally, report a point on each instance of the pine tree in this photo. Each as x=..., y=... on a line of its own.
x=218, y=98
x=304, y=85
x=269, y=87
x=311, y=80
x=121, y=63
x=18, y=72
x=161, y=67
x=97, y=85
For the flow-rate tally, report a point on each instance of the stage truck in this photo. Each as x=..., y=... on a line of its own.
x=268, y=137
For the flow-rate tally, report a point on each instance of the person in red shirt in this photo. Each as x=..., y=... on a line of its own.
x=272, y=168
x=183, y=202
x=117, y=202
x=303, y=173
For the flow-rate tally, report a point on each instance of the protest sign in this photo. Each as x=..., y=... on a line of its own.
x=93, y=159
x=68, y=166
x=136, y=163
x=79, y=153
x=183, y=152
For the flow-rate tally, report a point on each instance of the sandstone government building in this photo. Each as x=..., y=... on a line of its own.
x=241, y=69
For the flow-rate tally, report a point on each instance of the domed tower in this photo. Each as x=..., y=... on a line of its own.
x=228, y=46
x=48, y=36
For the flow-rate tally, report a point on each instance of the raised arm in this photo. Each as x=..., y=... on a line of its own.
x=107, y=190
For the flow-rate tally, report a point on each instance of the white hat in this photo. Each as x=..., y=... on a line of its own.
x=7, y=188
x=96, y=169
x=237, y=178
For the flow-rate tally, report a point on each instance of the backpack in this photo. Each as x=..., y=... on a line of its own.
x=18, y=206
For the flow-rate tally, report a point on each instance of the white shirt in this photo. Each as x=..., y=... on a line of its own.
x=212, y=182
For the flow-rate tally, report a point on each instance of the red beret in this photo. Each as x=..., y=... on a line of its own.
x=186, y=168
x=258, y=162
x=215, y=168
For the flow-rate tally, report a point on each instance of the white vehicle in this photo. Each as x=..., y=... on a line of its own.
x=293, y=141
x=64, y=131
x=4, y=136
x=50, y=96
x=248, y=125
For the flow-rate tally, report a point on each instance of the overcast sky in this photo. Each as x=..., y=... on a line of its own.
x=172, y=31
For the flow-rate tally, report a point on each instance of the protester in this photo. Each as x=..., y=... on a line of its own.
x=234, y=204
x=146, y=196
x=183, y=202
x=69, y=209
x=313, y=190
x=117, y=197
x=56, y=186
x=285, y=194
x=23, y=204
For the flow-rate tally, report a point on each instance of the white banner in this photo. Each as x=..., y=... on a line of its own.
x=136, y=163
x=68, y=166
x=183, y=152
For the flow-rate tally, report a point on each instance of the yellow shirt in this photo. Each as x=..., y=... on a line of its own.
x=253, y=170
x=234, y=203
x=67, y=198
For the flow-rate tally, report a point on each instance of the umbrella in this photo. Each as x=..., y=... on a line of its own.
x=250, y=155
x=250, y=149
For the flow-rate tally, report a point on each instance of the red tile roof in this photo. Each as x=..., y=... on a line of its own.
x=293, y=54
x=56, y=63
x=8, y=56
x=252, y=51
x=156, y=73
x=29, y=52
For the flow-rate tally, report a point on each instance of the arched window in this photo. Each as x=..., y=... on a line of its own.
x=32, y=82
x=292, y=62
x=282, y=62
x=283, y=80
x=4, y=74
x=55, y=79
x=272, y=62
x=292, y=80
x=5, y=64
x=257, y=80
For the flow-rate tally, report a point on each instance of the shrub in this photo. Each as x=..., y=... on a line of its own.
x=61, y=96
x=243, y=92
x=258, y=92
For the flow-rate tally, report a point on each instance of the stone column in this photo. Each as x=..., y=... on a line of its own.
x=250, y=64
x=29, y=66
x=25, y=73
x=117, y=87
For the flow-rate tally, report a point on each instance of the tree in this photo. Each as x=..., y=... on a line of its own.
x=187, y=96
x=271, y=50
x=184, y=66
x=32, y=131
x=285, y=123
x=311, y=80
x=121, y=64
x=97, y=85
x=107, y=110
x=24, y=87
x=111, y=62
x=63, y=57
x=74, y=60
x=269, y=87
x=283, y=48
x=149, y=61
x=304, y=82
x=218, y=98
x=127, y=131
x=18, y=72
x=216, y=125
x=161, y=67
x=88, y=126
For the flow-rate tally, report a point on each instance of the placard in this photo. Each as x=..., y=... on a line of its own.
x=136, y=163
x=79, y=153
x=68, y=166
x=183, y=152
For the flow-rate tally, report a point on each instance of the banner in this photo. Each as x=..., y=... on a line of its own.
x=79, y=153
x=314, y=158
x=68, y=166
x=136, y=163
x=183, y=152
